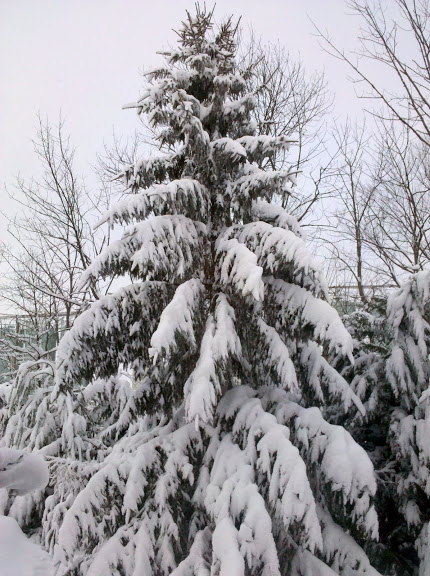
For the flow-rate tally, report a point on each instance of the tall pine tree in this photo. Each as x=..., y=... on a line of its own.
x=222, y=458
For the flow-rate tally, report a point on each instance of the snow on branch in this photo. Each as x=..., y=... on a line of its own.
x=239, y=108
x=196, y=563
x=278, y=468
x=280, y=252
x=148, y=170
x=305, y=563
x=264, y=146
x=322, y=377
x=228, y=151
x=408, y=302
x=277, y=216
x=175, y=112
x=233, y=499
x=100, y=340
x=257, y=183
x=31, y=423
x=149, y=473
x=275, y=358
x=407, y=315
x=177, y=317
x=233, y=83
x=185, y=196
x=398, y=373
x=220, y=344
x=331, y=453
x=296, y=307
x=238, y=268
x=423, y=547
x=341, y=550
x=158, y=247
x=110, y=405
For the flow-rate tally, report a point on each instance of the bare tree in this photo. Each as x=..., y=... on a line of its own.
x=380, y=223
x=51, y=242
x=396, y=37
x=398, y=230
x=120, y=153
x=292, y=103
x=354, y=189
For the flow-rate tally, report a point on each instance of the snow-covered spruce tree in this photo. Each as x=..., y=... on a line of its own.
x=408, y=374
x=371, y=347
x=391, y=376
x=220, y=460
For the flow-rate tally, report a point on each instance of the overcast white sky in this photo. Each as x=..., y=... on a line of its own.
x=84, y=57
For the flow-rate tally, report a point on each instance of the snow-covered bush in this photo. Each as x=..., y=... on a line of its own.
x=5, y=391
x=408, y=373
x=30, y=421
x=221, y=458
x=20, y=473
x=391, y=375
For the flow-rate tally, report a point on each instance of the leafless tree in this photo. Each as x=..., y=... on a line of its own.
x=354, y=192
x=398, y=231
x=291, y=103
x=51, y=242
x=395, y=36
x=380, y=224
x=116, y=155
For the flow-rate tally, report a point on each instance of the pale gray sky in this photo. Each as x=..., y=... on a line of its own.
x=83, y=57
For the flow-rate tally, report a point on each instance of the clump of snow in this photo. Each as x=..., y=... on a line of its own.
x=21, y=471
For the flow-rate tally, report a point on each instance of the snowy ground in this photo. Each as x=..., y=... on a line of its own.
x=18, y=555
x=21, y=472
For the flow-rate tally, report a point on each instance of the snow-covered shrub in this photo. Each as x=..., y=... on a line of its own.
x=408, y=373
x=391, y=375
x=5, y=391
x=20, y=474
